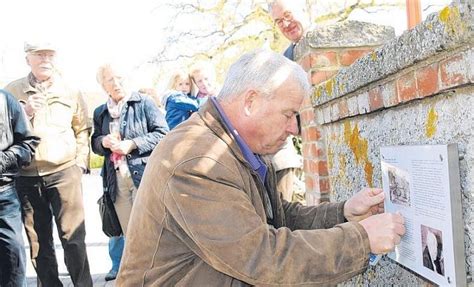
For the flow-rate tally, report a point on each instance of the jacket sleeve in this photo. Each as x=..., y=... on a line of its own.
x=181, y=102
x=97, y=136
x=22, y=151
x=81, y=127
x=156, y=126
x=219, y=219
x=323, y=215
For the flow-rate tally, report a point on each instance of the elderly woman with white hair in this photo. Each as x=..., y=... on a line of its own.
x=126, y=130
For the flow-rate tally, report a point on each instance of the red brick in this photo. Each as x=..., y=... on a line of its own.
x=307, y=103
x=323, y=168
x=350, y=56
x=427, y=80
x=375, y=99
x=312, y=166
x=307, y=117
x=323, y=59
x=318, y=77
x=305, y=62
x=314, y=151
x=406, y=86
x=313, y=134
x=389, y=94
x=306, y=150
x=324, y=186
x=454, y=72
x=311, y=151
x=343, y=109
x=309, y=182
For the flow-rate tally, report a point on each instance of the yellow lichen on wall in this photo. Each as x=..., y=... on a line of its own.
x=330, y=158
x=317, y=92
x=359, y=147
x=431, y=123
x=329, y=86
x=373, y=56
x=451, y=18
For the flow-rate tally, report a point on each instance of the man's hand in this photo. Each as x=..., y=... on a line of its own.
x=124, y=147
x=109, y=141
x=367, y=202
x=34, y=103
x=384, y=231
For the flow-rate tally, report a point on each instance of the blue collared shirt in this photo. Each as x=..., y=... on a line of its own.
x=253, y=159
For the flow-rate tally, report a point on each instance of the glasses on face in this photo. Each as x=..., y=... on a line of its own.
x=287, y=17
x=44, y=55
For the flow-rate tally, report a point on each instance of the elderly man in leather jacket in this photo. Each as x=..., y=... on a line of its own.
x=207, y=212
x=51, y=185
x=17, y=146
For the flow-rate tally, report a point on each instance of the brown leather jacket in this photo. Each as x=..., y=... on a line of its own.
x=62, y=125
x=199, y=220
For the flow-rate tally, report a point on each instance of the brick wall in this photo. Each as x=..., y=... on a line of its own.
x=412, y=90
x=322, y=58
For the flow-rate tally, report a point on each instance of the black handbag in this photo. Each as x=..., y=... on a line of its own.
x=110, y=222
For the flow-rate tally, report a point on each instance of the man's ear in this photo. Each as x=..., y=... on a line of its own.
x=27, y=60
x=249, y=102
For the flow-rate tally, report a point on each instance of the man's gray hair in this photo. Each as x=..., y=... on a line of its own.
x=262, y=70
x=293, y=5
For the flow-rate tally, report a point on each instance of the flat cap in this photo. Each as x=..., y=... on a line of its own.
x=35, y=46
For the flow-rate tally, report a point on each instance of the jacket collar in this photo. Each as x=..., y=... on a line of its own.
x=213, y=120
x=135, y=97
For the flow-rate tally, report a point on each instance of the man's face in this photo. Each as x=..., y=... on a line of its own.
x=41, y=63
x=272, y=119
x=287, y=21
x=113, y=85
x=203, y=83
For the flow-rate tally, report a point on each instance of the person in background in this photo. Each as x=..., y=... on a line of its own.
x=203, y=76
x=116, y=244
x=289, y=18
x=51, y=185
x=180, y=102
x=208, y=210
x=126, y=130
x=17, y=149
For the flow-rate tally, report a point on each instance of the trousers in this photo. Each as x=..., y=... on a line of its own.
x=12, y=250
x=57, y=195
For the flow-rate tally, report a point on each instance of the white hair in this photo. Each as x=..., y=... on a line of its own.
x=264, y=71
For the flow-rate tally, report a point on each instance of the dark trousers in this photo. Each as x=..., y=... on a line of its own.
x=12, y=249
x=59, y=195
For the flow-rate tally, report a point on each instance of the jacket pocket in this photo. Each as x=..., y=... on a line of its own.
x=60, y=112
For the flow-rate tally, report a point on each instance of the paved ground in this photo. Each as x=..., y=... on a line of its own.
x=97, y=248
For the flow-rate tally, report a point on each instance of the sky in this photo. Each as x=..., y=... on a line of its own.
x=87, y=33
x=91, y=32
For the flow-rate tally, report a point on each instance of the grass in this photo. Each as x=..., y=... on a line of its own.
x=96, y=161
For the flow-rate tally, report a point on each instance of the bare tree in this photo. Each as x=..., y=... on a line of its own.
x=220, y=30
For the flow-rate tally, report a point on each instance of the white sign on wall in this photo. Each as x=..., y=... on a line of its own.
x=423, y=184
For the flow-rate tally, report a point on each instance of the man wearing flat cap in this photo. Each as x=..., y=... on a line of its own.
x=51, y=185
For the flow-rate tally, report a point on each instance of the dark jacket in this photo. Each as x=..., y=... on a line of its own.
x=179, y=108
x=17, y=142
x=199, y=220
x=142, y=122
x=290, y=52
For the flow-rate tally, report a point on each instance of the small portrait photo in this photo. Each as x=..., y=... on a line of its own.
x=399, y=186
x=432, y=246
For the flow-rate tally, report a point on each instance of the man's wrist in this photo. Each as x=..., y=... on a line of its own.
x=29, y=112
